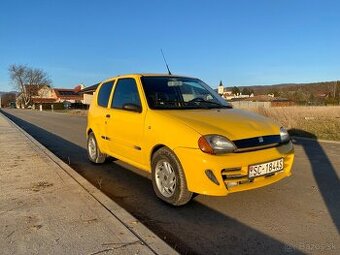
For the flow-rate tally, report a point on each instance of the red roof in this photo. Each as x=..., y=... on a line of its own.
x=68, y=94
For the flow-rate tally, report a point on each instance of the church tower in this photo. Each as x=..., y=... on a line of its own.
x=220, y=89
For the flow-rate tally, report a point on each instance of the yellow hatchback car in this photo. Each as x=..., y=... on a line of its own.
x=186, y=135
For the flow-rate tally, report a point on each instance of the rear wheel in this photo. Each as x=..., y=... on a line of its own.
x=93, y=151
x=168, y=178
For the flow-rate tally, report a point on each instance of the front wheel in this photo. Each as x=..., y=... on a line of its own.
x=93, y=151
x=168, y=178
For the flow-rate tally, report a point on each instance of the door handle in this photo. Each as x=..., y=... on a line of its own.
x=108, y=115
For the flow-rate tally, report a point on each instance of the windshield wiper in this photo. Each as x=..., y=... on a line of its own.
x=201, y=100
x=196, y=103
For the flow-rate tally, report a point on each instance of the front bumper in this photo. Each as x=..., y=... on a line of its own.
x=231, y=170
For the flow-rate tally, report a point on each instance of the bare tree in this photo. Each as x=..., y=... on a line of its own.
x=28, y=81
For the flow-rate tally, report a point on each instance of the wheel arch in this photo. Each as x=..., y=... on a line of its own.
x=89, y=131
x=182, y=195
x=153, y=151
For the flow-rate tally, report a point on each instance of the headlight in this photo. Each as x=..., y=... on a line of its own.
x=284, y=135
x=215, y=144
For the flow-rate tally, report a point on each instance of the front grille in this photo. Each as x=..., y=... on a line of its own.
x=256, y=143
x=234, y=175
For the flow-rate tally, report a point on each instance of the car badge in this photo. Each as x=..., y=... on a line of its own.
x=260, y=139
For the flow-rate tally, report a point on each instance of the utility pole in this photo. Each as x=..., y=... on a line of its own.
x=335, y=83
x=337, y=92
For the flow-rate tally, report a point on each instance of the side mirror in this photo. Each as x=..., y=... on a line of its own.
x=132, y=107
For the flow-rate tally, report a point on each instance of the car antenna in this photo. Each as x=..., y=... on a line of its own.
x=167, y=67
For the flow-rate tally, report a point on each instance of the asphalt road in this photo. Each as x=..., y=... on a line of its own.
x=299, y=215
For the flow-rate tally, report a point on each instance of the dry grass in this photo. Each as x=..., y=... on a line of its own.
x=322, y=122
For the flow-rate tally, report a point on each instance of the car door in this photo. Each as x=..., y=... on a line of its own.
x=125, y=124
x=99, y=115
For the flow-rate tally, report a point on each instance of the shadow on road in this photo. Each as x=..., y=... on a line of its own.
x=324, y=173
x=192, y=229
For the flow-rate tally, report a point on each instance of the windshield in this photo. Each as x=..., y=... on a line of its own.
x=180, y=93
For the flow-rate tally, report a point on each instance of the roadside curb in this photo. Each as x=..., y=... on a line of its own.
x=146, y=236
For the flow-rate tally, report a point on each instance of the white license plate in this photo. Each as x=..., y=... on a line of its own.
x=265, y=168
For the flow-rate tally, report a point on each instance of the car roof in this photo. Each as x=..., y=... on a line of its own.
x=147, y=75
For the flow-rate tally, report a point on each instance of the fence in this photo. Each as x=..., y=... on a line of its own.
x=250, y=104
x=61, y=106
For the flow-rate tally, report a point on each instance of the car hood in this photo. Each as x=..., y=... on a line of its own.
x=234, y=124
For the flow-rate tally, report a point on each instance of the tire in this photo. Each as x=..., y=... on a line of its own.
x=168, y=179
x=93, y=152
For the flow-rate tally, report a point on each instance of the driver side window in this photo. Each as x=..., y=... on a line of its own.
x=125, y=93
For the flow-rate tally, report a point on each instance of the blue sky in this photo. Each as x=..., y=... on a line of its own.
x=241, y=42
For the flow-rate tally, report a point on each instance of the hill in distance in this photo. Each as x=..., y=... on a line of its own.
x=315, y=88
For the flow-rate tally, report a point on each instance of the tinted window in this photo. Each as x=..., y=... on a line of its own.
x=125, y=93
x=104, y=94
x=172, y=92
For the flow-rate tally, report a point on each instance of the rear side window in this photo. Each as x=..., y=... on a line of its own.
x=126, y=92
x=104, y=94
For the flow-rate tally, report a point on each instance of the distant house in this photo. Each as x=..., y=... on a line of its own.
x=46, y=95
x=228, y=94
x=69, y=95
x=35, y=92
x=88, y=93
x=238, y=96
x=43, y=94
